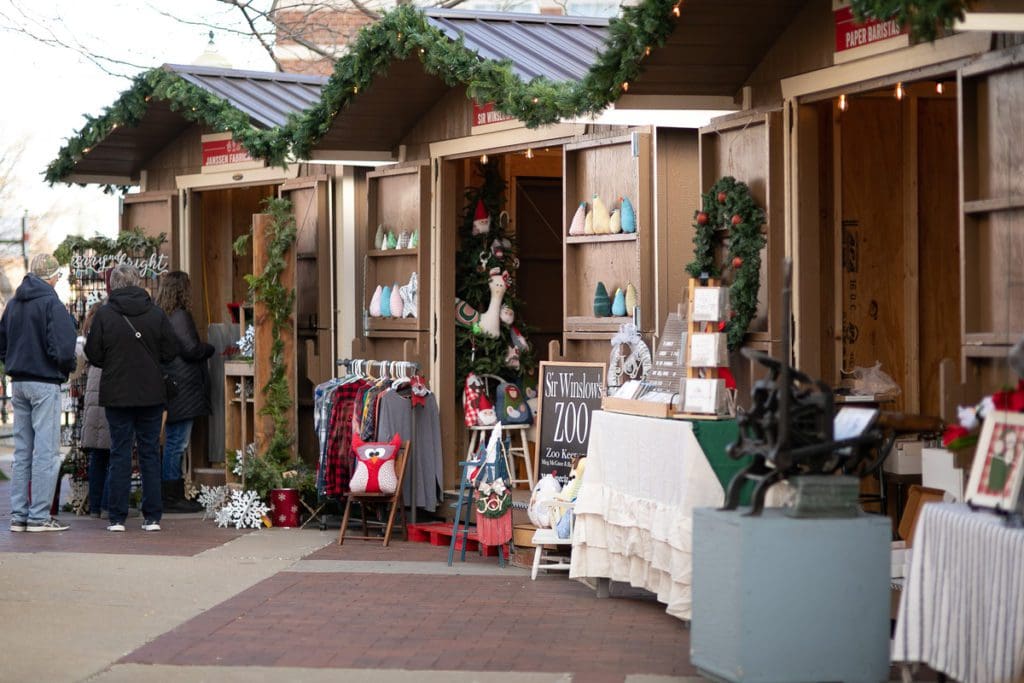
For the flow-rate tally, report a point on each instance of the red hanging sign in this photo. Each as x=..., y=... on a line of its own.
x=850, y=34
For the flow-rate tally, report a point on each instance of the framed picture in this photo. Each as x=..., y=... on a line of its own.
x=998, y=463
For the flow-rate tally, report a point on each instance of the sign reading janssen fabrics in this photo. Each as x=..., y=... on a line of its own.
x=223, y=152
x=485, y=114
x=851, y=35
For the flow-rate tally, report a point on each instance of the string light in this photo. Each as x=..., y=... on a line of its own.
x=675, y=8
x=529, y=152
x=355, y=89
x=938, y=87
x=483, y=159
x=647, y=51
x=536, y=100
x=899, y=90
x=842, y=103
x=625, y=86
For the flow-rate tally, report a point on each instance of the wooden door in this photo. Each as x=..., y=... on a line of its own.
x=749, y=147
x=314, y=291
x=992, y=219
x=154, y=213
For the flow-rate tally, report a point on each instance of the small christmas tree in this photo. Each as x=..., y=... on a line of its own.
x=485, y=272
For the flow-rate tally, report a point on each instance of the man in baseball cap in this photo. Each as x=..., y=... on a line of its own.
x=37, y=347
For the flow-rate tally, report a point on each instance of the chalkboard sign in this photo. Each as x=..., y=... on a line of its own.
x=569, y=393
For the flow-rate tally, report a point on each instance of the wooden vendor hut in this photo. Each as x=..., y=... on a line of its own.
x=887, y=168
x=174, y=139
x=421, y=90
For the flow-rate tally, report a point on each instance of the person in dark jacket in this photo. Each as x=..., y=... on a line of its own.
x=129, y=339
x=95, y=437
x=192, y=375
x=37, y=347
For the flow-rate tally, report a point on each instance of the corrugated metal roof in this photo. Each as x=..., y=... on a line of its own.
x=558, y=48
x=266, y=97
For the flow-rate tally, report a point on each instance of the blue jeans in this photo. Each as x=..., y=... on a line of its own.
x=176, y=436
x=99, y=473
x=36, y=449
x=140, y=426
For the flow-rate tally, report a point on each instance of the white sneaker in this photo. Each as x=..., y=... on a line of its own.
x=115, y=527
x=150, y=525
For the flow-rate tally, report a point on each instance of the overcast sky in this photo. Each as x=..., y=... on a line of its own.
x=47, y=89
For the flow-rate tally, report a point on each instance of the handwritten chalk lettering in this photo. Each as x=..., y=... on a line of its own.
x=156, y=263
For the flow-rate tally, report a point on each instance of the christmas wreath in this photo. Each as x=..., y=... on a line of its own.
x=729, y=206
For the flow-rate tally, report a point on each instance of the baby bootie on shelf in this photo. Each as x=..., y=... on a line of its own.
x=397, y=307
x=375, y=302
x=628, y=216
x=576, y=226
x=615, y=222
x=619, y=305
x=601, y=217
x=602, y=304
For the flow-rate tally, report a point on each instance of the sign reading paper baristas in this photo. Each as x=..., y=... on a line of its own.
x=569, y=393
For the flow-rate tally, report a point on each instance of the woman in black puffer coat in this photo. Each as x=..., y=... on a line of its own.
x=95, y=438
x=191, y=373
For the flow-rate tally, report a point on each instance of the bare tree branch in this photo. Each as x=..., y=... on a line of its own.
x=267, y=47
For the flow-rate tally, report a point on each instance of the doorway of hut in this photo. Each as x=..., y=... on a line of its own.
x=217, y=217
x=879, y=219
x=533, y=199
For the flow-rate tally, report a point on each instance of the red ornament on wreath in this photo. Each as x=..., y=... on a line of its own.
x=729, y=214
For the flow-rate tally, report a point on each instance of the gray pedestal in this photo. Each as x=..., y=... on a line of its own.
x=777, y=599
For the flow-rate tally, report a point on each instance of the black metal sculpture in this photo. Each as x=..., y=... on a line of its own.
x=789, y=428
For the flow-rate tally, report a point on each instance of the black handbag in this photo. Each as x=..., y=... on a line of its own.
x=170, y=385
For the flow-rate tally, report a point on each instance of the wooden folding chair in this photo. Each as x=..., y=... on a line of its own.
x=392, y=500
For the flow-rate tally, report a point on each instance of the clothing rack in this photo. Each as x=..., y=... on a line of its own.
x=391, y=369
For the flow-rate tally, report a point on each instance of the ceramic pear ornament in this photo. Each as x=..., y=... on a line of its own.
x=414, y=240
x=397, y=307
x=602, y=304
x=403, y=240
x=392, y=241
x=576, y=226
x=619, y=304
x=375, y=302
x=630, y=298
x=615, y=222
x=601, y=217
x=588, y=223
x=378, y=238
x=385, y=302
x=628, y=216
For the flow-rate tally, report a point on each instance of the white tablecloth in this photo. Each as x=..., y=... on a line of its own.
x=643, y=479
x=962, y=610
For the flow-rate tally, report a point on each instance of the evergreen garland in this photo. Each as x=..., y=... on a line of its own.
x=477, y=352
x=266, y=288
x=404, y=32
x=728, y=206
x=924, y=17
x=132, y=241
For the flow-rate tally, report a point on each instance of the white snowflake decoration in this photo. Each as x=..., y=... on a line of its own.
x=245, y=510
x=247, y=344
x=213, y=498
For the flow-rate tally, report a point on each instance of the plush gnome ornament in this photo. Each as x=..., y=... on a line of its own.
x=481, y=221
x=486, y=415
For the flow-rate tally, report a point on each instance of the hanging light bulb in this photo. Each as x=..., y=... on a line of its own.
x=483, y=159
x=529, y=152
x=675, y=8
x=842, y=103
x=625, y=86
x=647, y=51
x=938, y=87
x=899, y=90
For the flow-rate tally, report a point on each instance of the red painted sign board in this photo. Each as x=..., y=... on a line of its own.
x=222, y=152
x=850, y=34
x=484, y=114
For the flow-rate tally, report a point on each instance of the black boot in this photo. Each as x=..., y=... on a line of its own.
x=174, y=498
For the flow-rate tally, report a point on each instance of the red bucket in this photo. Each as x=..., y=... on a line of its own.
x=284, y=507
x=494, y=531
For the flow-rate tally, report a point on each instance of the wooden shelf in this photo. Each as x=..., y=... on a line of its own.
x=393, y=324
x=242, y=368
x=976, y=206
x=392, y=252
x=588, y=239
x=589, y=323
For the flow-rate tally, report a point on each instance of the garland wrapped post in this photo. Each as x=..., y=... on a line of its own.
x=267, y=471
x=729, y=207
